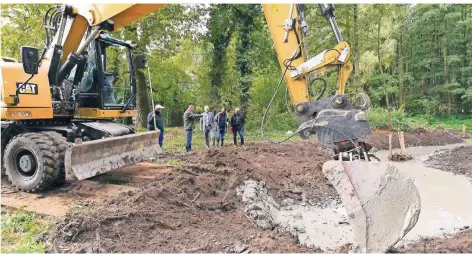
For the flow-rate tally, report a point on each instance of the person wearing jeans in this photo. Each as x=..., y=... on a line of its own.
x=207, y=125
x=189, y=118
x=237, y=123
x=221, y=120
x=154, y=120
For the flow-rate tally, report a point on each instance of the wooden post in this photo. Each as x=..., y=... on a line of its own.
x=401, y=138
x=464, y=131
x=390, y=145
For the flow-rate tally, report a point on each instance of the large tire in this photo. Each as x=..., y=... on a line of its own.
x=35, y=161
x=61, y=145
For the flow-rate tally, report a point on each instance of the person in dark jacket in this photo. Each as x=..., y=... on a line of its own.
x=154, y=120
x=221, y=120
x=189, y=118
x=237, y=123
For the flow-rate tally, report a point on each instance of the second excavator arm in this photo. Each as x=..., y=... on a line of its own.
x=382, y=204
x=334, y=119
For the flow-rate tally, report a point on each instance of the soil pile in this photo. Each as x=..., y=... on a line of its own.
x=457, y=160
x=459, y=243
x=194, y=207
x=379, y=139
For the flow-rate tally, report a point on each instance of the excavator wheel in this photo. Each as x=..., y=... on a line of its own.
x=62, y=144
x=35, y=161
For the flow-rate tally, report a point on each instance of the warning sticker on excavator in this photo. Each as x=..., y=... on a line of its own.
x=28, y=88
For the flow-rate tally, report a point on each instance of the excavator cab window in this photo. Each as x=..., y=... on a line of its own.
x=117, y=67
x=108, y=81
x=116, y=78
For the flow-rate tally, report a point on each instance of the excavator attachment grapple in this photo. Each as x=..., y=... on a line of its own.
x=383, y=205
x=91, y=158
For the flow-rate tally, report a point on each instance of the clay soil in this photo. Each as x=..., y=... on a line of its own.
x=193, y=206
x=457, y=161
x=458, y=243
x=419, y=137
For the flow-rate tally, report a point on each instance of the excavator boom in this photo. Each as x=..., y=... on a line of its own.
x=383, y=204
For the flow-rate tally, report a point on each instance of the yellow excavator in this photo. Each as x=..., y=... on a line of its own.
x=57, y=111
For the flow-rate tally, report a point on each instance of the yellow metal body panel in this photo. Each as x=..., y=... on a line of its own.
x=344, y=73
x=74, y=37
x=39, y=105
x=330, y=59
x=8, y=59
x=94, y=14
x=26, y=113
x=275, y=15
x=99, y=113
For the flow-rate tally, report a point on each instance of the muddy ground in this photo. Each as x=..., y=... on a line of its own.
x=192, y=206
x=457, y=161
x=419, y=137
x=458, y=243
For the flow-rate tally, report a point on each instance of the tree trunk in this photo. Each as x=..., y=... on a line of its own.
x=389, y=122
x=356, y=48
x=400, y=70
x=446, y=77
x=142, y=96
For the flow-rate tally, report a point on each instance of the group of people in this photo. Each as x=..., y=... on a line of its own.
x=210, y=124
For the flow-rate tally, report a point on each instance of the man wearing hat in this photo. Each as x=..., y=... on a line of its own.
x=154, y=120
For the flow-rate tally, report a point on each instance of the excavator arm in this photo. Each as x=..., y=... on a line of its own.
x=82, y=23
x=382, y=204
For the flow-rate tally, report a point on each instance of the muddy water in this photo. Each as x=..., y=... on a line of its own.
x=445, y=206
x=446, y=198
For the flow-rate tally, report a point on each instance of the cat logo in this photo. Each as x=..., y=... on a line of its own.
x=28, y=88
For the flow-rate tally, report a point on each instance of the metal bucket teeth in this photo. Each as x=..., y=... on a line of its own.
x=99, y=156
x=383, y=204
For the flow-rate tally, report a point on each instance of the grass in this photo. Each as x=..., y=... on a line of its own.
x=450, y=122
x=174, y=138
x=20, y=229
x=402, y=121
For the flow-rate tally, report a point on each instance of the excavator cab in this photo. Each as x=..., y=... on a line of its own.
x=106, y=79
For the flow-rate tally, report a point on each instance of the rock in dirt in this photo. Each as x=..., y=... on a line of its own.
x=400, y=157
x=238, y=248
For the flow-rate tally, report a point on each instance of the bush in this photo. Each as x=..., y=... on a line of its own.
x=378, y=119
x=454, y=122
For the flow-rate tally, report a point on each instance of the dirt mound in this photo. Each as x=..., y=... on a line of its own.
x=289, y=170
x=457, y=160
x=194, y=207
x=458, y=243
x=379, y=139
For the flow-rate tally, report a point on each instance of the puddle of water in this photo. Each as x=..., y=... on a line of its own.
x=445, y=197
x=316, y=227
x=445, y=206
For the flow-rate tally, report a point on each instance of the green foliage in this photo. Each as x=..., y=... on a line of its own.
x=450, y=122
x=378, y=120
x=22, y=26
x=223, y=56
x=19, y=230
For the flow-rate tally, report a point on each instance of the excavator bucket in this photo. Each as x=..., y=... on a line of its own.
x=96, y=157
x=383, y=204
